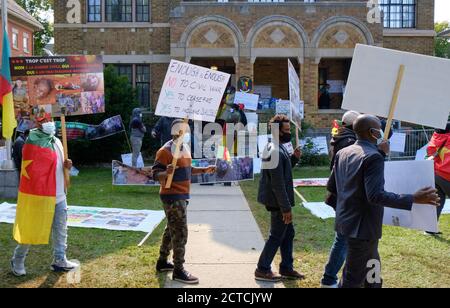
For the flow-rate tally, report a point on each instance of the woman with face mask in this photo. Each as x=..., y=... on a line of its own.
x=42, y=205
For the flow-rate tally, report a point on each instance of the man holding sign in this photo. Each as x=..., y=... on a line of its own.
x=358, y=181
x=175, y=200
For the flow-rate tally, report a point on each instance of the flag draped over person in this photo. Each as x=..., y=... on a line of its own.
x=6, y=97
x=37, y=192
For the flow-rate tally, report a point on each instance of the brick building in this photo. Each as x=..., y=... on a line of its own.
x=21, y=26
x=245, y=38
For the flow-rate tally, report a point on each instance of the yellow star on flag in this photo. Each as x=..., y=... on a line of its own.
x=24, y=172
x=442, y=153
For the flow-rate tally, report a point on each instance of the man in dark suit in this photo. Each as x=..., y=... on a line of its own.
x=358, y=181
x=276, y=193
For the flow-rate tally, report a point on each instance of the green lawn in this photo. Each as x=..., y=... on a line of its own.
x=409, y=258
x=108, y=258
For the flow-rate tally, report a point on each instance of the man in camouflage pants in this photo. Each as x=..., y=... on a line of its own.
x=175, y=200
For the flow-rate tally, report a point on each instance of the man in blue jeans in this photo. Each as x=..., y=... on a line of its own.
x=46, y=128
x=276, y=193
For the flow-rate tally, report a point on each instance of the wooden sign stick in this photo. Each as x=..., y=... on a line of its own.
x=398, y=83
x=176, y=155
x=66, y=149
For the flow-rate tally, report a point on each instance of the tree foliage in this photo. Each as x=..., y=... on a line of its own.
x=41, y=10
x=442, y=45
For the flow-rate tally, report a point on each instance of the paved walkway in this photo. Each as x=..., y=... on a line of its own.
x=224, y=240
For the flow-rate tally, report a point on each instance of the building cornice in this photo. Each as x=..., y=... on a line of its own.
x=112, y=25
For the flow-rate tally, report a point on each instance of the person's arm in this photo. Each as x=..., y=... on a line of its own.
x=278, y=185
x=295, y=158
x=436, y=143
x=143, y=129
x=162, y=168
x=374, y=186
x=156, y=132
x=204, y=170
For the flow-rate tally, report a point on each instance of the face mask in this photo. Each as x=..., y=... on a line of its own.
x=187, y=138
x=381, y=138
x=285, y=138
x=49, y=128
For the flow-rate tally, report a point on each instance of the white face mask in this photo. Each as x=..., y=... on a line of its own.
x=49, y=128
x=381, y=138
x=187, y=139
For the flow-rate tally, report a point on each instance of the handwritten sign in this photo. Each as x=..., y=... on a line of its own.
x=192, y=92
x=250, y=101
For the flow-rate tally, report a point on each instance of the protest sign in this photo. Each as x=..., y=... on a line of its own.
x=422, y=92
x=191, y=92
x=236, y=169
x=284, y=107
x=252, y=122
x=315, y=182
x=250, y=101
x=294, y=94
x=125, y=175
x=99, y=218
x=52, y=83
x=406, y=177
x=398, y=142
x=75, y=130
x=25, y=124
x=108, y=127
x=422, y=153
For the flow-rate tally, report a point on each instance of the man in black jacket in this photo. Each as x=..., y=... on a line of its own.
x=358, y=181
x=276, y=192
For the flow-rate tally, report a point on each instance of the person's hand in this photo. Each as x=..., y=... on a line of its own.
x=287, y=218
x=68, y=164
x=147, y=171
x=170, y=169
x=298, y=153
x=154, y=134
x=385, y=147
x=211, y=169
x=427, y=195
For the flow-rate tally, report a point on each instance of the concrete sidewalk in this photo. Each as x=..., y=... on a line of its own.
x=224, y=240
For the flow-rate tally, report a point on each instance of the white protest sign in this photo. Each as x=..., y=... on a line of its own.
x=423, y=98
x=406, y=177
x=398, y=142
x=250, y=101
x=336, y=86
x=422, y=153
x=294, y=91
x=192, y=92
x=284, y=107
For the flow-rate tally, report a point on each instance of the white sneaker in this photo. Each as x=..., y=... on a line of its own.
x=18, y=267
x=63, y=265
x=334, y=286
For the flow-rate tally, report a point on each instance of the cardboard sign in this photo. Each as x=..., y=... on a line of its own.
x=50, y=83
x=250, y=101
x=406, y=177
x=423, y=98
x=398, y=142
x=191, y=92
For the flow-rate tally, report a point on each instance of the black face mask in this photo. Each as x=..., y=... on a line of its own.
x=286, y=138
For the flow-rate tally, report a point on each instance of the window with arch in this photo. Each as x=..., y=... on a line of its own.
x=399, y=13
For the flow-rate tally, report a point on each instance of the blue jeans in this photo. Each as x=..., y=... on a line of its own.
x=338, y=255
x=59, y=235
x=281, y=237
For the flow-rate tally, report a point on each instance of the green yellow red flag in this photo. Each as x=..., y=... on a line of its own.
x=37, y=191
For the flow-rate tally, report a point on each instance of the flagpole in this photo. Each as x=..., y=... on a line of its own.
x=8, y=163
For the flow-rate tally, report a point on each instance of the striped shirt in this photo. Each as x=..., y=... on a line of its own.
x=181, y=184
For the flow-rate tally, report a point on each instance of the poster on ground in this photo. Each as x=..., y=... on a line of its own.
x=423, y=98
x=50, y=83
x=192, y=92
x=233, y=170
x=99, y=218
x=406, y=177
x=314, y=182
x=125, y=175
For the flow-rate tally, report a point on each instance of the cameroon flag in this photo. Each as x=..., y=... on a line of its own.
x=37, y=191
x=6, y=98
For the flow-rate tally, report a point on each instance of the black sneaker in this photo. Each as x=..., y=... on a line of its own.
x=184, y=277
x=164, y=266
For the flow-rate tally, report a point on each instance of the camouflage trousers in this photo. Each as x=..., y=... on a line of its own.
x=176, y=233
